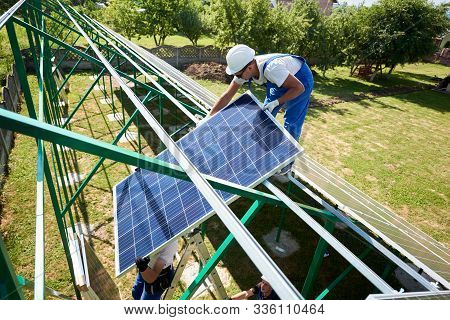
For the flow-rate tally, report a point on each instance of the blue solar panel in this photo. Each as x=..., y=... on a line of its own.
x=240, y=144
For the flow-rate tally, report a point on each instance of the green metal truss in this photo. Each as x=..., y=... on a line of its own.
x=48, y=29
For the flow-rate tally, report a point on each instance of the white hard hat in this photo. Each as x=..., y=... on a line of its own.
x=264, y=278
x=238, y=57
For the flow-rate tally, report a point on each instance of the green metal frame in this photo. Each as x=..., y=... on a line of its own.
x=9, y=286
x=215, y=259
x=51, y=134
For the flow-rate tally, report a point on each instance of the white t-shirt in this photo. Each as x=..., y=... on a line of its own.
x=276, y=71
x=167, y=254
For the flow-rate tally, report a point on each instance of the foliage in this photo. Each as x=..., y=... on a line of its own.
x=6, y=57
x=264, y=28
x=123, y=17
x=394, y=32
x=190, y=22
x=306, y=20
x=159, y=18
x=340, y=32
x=228, y=17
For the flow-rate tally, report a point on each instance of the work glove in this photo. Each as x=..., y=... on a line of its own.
x=271, y=105
x=205, y=118
x=142, y=263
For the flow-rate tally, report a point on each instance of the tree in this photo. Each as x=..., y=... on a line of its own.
x=257, y=29
x=307, y=23
x=159, y=18
x=253, y=22
x=123, y=17
x=267, y=29
x=227, y=18
x=190, y=22
x=337, y=34
x=394, y=32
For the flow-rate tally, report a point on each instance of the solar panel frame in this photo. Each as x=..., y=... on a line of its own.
x=374, y=223
x=211, y=213
x=426, y=295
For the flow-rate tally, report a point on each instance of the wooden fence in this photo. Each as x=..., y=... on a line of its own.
x=177, y=57
x=11, y=100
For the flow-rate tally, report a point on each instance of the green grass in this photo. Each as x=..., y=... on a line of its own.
x=6, y=57
x=393, y=148
x=175, y=40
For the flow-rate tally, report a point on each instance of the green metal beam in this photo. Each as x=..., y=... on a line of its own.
x=97, y=165
x=98, y=62
x=215, y=259
x=9, y=286
x=66, y=26
x=317, y=260
x=20, y=66
x=83, y=98
x=332, y=285
x=15, y=122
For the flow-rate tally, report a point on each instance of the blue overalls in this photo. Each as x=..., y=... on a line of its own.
x=296, y=108
x=144, y=291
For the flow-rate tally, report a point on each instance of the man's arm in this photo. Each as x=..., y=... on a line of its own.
x=243, y=295
x=151, y=274
x=225, y=98
x=295, y=88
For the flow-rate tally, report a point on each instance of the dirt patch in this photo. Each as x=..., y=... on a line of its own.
x=208, y=71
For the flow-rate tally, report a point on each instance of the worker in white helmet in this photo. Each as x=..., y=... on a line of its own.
x=262, y=290
x=288, y=82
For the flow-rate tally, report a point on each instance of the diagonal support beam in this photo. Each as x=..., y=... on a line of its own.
x=33, y=128
x=215, y=259
x=366, y=237
x=332, y=241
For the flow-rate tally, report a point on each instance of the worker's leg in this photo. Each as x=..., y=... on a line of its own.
x=153, y=291
x=296, y=109
x=138, y=287
x=295, y=114
x=149, y=295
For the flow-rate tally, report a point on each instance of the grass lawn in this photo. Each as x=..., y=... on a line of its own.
x=175, y=40
x=394, y=148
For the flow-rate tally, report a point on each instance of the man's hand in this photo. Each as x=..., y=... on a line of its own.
x=203, y=120
x=142, y=263
x=271, y=105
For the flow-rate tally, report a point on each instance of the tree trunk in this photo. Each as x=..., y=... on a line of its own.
x=353, y=69
x=392, y=69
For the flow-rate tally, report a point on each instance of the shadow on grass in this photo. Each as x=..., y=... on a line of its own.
x=428, y=99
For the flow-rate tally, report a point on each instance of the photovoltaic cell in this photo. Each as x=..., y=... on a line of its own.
x=240, y=144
